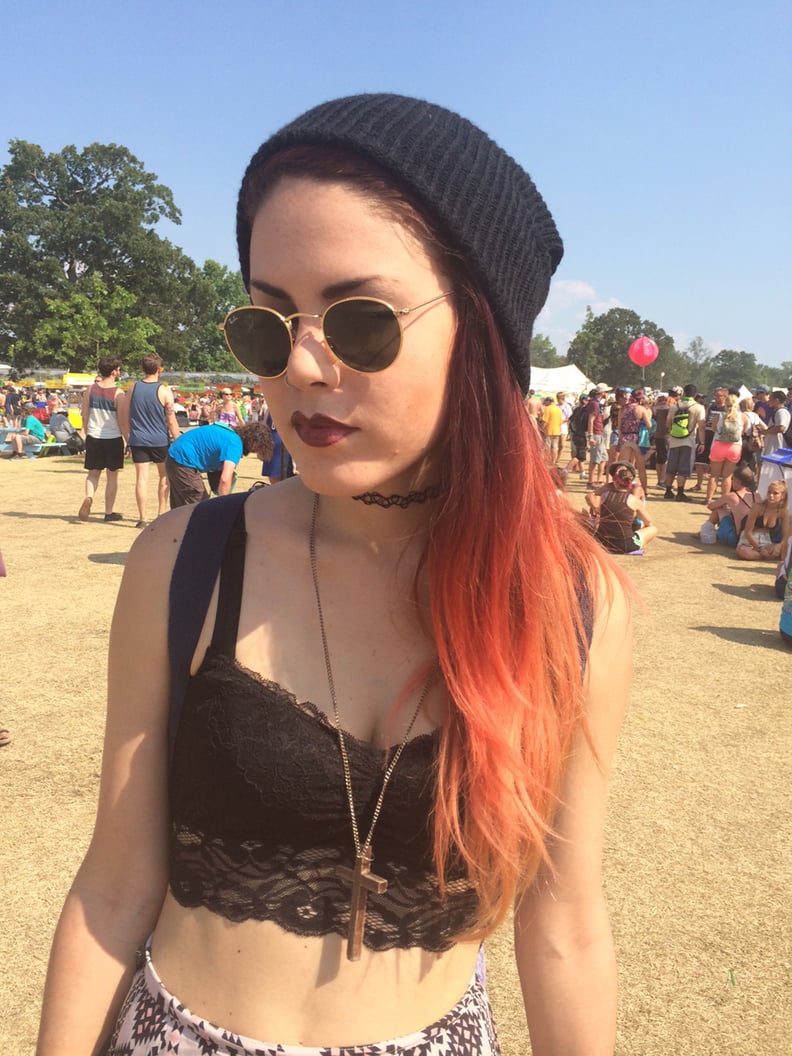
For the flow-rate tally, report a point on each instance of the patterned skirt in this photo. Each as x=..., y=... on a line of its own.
x=153, y=1022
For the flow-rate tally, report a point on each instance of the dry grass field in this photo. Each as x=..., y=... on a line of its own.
x=697, y=858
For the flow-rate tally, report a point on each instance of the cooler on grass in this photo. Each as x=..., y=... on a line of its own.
x=776, y=466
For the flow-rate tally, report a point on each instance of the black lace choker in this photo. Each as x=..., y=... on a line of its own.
x=374, y=498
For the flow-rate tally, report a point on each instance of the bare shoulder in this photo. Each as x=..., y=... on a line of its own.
x=153, y=553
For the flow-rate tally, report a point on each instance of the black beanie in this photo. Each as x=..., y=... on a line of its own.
x=483, y=202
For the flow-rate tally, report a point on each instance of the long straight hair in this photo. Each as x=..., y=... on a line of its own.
x=732, y=408
x=511, y=618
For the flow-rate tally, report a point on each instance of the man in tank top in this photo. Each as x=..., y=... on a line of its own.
x=103, y=429
x=152, y=425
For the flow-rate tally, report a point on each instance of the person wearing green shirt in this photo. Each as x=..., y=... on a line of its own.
x=33, y=432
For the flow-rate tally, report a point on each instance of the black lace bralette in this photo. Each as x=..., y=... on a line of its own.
x=260, y=819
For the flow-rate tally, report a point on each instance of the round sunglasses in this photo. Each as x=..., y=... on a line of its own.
x=364, y=333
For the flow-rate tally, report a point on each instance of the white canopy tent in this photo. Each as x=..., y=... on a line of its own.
x=550, y=380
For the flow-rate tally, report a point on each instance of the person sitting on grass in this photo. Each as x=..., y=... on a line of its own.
x=33, y=432
x=767, y=526
x=730, y=512
x=631, y=453
x=620, y=520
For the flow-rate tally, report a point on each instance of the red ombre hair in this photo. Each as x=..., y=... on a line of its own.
x=512, y=626
x=512, y=579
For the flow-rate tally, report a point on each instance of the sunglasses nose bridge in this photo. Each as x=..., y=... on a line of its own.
x=309, y=359
x=293, y=323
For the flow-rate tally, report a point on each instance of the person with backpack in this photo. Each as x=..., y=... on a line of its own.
x=685, y=437
x=578, y=421
x=779, y=430
x=729, y=425
x=752, y=441
x=64, y=432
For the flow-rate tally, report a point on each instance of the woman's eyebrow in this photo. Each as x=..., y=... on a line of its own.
x=272, y=291
x=343, y=289
x=334, y=290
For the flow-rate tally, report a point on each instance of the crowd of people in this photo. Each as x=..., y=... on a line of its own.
x=714, y=446
x=150, y=423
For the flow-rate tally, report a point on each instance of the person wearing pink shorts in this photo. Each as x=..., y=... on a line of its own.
x=726, y=451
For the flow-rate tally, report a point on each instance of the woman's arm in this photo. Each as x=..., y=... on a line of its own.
x=727, y=501
x=116, y=896
x=753, y=514
x=786, y=528
x=563, y=941
x=642, y=510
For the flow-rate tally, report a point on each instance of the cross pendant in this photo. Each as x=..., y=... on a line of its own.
x=362, y=880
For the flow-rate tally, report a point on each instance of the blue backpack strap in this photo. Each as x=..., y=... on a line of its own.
x=194, y=575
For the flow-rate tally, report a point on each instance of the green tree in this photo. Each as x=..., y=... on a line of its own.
x=544, y=352
x=69, y=216
x=696, y=366
x=227, y=291
x=600, y=348
x=87, y=324
x=732, y=369
x=776, y=377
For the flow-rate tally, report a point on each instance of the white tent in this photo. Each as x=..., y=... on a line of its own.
x=550, y=380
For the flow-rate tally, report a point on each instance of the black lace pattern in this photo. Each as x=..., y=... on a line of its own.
x=260, y=821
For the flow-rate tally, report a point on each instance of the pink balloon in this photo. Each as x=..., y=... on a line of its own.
x=643, y=351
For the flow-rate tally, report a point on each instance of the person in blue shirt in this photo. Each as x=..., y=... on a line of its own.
x=33, y=433
x=216, y=450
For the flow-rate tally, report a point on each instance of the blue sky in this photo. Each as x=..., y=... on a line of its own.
x=659, y=134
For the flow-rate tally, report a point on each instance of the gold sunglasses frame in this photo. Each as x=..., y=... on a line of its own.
x=286, y=320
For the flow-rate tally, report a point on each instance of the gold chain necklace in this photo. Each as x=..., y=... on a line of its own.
x=361, y=879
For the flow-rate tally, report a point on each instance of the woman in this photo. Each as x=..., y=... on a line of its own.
x=208, y=406
x=728, y=426
x=728, y=513
x=228, y=410
x=767, y=526
x=270, y=916
x=635, y=415
x=620, y=517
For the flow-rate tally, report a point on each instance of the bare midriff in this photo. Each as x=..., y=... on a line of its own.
x=268, y=984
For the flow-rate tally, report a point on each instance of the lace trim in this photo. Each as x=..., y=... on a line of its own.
x=298, y=890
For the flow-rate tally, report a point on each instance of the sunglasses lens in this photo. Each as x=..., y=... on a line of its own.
x=259, y=339
x=363, y=334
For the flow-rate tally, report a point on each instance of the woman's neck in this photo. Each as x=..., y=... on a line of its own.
x=381, y=529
